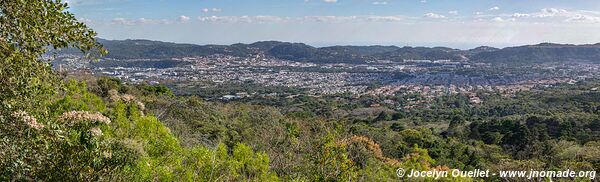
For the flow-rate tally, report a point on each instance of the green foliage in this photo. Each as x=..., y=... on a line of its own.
x=106, y=84
x=383, y=116
x=31, y=25
x=28, y=28
x=158, y=90
x=331, y=163
x=203, y=164
x=106, y=130
x=55, y=132
x=60, y=149
x=38, y=144
x=78, y=98
x=133, y=146
x=417, y=159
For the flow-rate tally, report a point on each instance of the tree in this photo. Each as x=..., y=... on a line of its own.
x=34, y=140
x=29, y=28
x=331, y=163
x=383, y=116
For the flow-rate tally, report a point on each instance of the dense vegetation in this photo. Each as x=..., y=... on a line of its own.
x=551, y=128
x=57, y=130
x=54, y=128
x=542, y=53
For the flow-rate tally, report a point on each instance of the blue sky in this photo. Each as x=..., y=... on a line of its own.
x=454, y=23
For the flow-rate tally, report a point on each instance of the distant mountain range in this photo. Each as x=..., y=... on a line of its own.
x=540, y=53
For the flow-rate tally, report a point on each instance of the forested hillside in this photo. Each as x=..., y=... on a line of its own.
x=529, y=54
x=56, y=127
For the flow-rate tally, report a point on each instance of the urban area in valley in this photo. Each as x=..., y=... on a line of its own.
x=233, y=77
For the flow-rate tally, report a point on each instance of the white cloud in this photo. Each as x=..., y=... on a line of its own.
x=306, y=19
x=260, y=19
x=83, y=2
x=546, y=15
x=84, y=20
x=551, y=12
x=380, y=3
x=120, y=21
x=543, y=16
x=330, y=1
x=142, y=21
x=495, y=8
x=328, y=19
x=223, y=19
x=433, y=15
x=165, y=22
x=572, y=26
x=384, y=18
x=500, y=19
x=183, y=18
x=577, y=16
x=145, y=21
x=520, y=15
x=583, y=19
x=208, y=10
x=243, y=19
